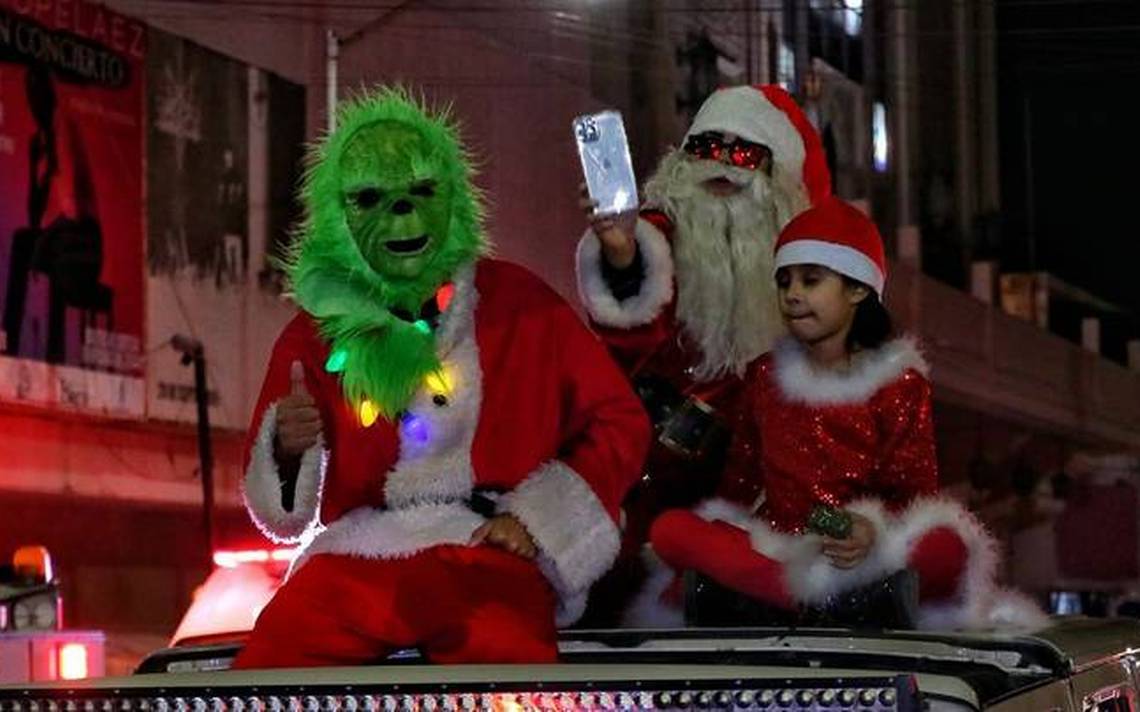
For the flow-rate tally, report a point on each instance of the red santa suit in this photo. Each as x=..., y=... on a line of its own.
x=638, y=320
x=532, y=408
x=860, y=440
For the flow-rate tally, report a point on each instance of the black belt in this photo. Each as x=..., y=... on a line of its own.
x=482, y=503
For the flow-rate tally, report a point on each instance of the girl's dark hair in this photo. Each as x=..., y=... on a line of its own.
x=872, y=325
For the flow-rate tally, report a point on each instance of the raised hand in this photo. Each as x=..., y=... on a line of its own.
x=298, y=420
x=613, y=231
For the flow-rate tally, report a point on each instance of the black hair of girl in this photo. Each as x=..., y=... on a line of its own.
x=872, y=325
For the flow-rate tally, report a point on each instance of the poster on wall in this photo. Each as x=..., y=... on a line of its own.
x=285, y=119
x=72, y=76
x=212, y=222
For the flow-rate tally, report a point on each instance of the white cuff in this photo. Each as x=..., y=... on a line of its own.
x=576, y=538
x=262, y=488
x=812, y=578
x=980, y=603
x=656, y=289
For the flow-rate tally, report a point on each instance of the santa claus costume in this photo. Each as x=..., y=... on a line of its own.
x=696, y=307
x=524, y=417
x=860, y=439
x=692, y=311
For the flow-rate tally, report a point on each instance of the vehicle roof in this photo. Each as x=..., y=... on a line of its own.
x=1088, y=641
x=971, y=667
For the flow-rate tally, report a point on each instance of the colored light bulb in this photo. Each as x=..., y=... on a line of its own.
x=337, y=360
x=439, y=382
x=443, y=296
x=422, y=326
x=415, y=428
x=369, y=413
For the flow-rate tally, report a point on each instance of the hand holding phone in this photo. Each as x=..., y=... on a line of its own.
x=606, y=164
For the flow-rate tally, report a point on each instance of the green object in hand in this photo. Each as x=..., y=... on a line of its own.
x=829, y=521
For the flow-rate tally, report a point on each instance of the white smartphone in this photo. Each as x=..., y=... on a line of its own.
x=606, y=164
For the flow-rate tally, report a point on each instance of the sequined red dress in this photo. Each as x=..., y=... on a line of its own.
x=861, y=440
x=807, y=439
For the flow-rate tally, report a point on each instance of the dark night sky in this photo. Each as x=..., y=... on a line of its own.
x=1074, y=66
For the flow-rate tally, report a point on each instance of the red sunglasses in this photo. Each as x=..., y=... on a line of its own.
x=741, y=153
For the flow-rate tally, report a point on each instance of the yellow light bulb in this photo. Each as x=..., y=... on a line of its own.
x=440, y=382
x=368, y=413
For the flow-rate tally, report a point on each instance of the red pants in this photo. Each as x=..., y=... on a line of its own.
x=457, y=604
x=724, y=553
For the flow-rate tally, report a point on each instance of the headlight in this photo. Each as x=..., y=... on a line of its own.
x=34, y=613
x=4, y=617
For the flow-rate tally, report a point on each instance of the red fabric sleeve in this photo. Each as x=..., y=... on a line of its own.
x=908, y=464
x=608, y=430
x=743, y=478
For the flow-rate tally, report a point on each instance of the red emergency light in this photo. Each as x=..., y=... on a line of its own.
x=72, y=658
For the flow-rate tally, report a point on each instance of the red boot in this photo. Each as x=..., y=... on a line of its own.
x=939, y=557
x=722, y=552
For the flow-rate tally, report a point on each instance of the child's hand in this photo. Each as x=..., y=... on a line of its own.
x=850, y=552
x=508, y=533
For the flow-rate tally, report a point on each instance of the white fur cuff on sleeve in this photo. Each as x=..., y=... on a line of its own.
x=980, y=603
x=812, y=578
x=262, y=486
x=656, y=289
x=577, y=538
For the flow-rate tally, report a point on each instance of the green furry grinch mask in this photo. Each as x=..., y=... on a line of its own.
x=391, y=214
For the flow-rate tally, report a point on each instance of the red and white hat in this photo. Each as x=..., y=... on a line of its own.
x=837, y=236
x=768, y=115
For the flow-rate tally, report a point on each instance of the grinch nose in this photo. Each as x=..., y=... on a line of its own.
x=402, y=207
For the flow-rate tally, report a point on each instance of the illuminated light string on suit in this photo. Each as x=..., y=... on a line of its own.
x=440, y=383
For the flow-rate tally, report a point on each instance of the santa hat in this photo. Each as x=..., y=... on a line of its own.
x=837, y=236
x=770, y=116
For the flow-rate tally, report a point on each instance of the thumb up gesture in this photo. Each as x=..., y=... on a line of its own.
x=298, y=420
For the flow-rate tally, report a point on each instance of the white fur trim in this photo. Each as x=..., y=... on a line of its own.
x=979, y=603
x=577, y=538
x=870, y=371
x=435, y=448
x=977, y=585
x=261, y=488
x=839, y=258
x=814, y=579
x=458, y=320
x=648, y=609
x=718, y=509
x=656, y=289
x=395, y=533
x=810, y=577
x=1011, y=609
x=746, y=112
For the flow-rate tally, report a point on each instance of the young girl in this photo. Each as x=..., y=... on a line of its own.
x=838, y=417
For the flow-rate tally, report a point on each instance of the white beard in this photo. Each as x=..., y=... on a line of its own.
x=722, y=251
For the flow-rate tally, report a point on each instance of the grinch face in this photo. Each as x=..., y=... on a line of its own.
x=391, y=214
x=397, y=209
